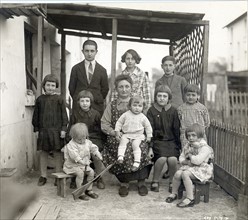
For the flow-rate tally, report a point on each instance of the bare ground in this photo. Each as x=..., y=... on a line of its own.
x=110, y=206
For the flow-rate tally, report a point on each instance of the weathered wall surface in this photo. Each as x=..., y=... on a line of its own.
x=16, y=135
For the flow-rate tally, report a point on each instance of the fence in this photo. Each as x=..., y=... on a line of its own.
x=238, y=107
x=231, y=108
x=230, y=148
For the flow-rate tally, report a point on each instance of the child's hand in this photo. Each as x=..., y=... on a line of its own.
x=98, y=156
x=62, y=134
x=36, y=134
x=118, y=135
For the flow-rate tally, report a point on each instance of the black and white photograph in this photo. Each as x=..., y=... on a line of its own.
x=129, y=110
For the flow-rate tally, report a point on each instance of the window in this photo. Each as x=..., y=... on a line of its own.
x=31, y=75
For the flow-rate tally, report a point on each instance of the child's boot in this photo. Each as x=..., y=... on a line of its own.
x=120, y=159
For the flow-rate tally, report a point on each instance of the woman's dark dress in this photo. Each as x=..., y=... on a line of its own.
x=123, y=171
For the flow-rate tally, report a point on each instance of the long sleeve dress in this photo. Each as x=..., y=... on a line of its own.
x=190, y=114
x=166, y=137
x=49, y=118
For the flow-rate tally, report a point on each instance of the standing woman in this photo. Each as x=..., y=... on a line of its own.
x=140, y=80
x=123, y=172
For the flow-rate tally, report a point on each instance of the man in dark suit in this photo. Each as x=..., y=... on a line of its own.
x=89, y=75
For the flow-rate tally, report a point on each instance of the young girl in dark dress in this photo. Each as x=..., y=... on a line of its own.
x=50, y=124
x=166, y=136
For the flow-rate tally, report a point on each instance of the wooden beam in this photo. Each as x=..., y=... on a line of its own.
x=79, y=34
x=101, y=25
x=144, y=32
x=63, y=64
x=40, y=55
x=39, y=76
x=124, y=17
x=114, y=49
x=205, y=63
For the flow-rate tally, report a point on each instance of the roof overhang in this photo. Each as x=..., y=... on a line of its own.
x=10, y=10
x=134, y=25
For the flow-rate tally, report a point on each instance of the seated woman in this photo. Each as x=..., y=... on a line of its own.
x=123, y=171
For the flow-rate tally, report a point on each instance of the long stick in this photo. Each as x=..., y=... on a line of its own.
x=76, y=193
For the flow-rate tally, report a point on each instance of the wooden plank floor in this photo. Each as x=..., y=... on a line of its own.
x=37, y=211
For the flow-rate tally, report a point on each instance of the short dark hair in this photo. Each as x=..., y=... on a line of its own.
x=170, y=58
x=123, y=77
x=197, y=128
x=50, y=78
x=134, y=54
x=162, y=88
x=89, y=42
x=85, y=94
x=192, y=88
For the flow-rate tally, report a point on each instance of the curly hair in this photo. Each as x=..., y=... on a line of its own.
x=134, y=54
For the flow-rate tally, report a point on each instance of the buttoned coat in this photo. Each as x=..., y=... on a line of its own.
x=98, y=85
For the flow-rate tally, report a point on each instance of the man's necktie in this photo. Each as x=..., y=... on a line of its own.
x=90, y=72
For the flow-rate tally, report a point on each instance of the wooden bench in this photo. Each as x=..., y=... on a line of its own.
x=61, y=182
x=200, y=189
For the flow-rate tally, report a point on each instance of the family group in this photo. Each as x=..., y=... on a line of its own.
x=131, y=132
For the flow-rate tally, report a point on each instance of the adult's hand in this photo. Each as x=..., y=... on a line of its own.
x=150, y=153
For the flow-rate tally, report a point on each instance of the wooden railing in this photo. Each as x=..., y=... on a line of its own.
x=230, y=148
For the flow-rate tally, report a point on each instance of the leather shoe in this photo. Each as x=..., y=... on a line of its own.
x=170, y=199
x=84, y=197
x=155, y=187
x=143, y=191
x=123, y=191
x=184, y=205
x=91, y=194
x=42, y=181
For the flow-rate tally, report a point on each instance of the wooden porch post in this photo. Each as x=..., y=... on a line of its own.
x=113, y=58
x=63, y=63
x=40, y=55
x=39, y=77
x=205, y=62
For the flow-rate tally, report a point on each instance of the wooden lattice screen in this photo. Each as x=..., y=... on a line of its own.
x=191, y=54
